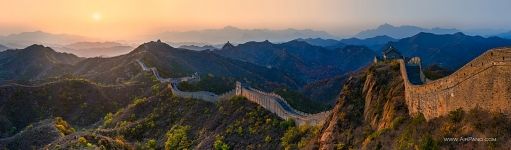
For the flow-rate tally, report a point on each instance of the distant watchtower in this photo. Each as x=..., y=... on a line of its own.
x=238, y=88
x=227, y=45
x=391, y=53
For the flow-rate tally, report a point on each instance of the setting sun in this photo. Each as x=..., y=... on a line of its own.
x=96, y=16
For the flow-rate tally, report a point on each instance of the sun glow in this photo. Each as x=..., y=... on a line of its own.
x=96, y=16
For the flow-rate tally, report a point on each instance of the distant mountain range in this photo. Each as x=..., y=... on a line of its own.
x=322, y=42
x=298, y=58
x=307, y=60
x=447, y=50
x=264, y=65
x=295, y=64
x=95, y=49
x=237, y=35
x=24, y=39
x=506, y=35
x=401, y=31
x=38, y=62
x=216, y=37
x=374, y=43
x=3, y=48
x=197, y=48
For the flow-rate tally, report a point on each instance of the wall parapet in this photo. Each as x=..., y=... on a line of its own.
x=484, y=83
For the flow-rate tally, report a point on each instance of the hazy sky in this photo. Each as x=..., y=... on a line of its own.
x=111, y=19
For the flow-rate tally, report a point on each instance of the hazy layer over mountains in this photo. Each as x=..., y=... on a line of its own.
x=96, y=49
x=81, y=46
x=374, y=43
x=24, y=39
x=505, y=35
x=401, y=31
x=237, y=35
x=2, y=47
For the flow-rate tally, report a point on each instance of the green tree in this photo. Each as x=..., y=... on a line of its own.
x=219, y=144
x=151, y=144
x=177, y=138
x=63, y=126
x=290, y=138
x=107, y=120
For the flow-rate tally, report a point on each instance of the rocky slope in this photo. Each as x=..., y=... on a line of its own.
x=164, y=121
x=38, y=134
x=371, y=114
x=79, y=101
x=370, y=101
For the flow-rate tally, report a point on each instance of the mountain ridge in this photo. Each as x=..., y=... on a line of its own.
x=401, y=31
x=95, y=49
x=34, y=61
x=237, y=35
x=25, y=39
x=445, y=49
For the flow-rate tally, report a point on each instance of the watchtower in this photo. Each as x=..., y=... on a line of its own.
x=391, y=53
x=238, y=88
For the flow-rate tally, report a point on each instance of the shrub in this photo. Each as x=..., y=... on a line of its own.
x=396, y=122
x=150, y=144
x=240, y=130
x=290, y=138
x=139, y=101
x=419, y=119
x=219, y=144
x=63, y=127
x=82, y=140
x=394, y=65
x=287, y=123
x=456, y=115
x=428, y=143
x=340, y=146
x=108, y=119
x=267, y=139
x=177, y=138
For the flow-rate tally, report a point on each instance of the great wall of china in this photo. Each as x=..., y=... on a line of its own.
x=483, y=83
x=270, y=101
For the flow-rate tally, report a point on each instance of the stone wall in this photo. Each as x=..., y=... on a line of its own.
x=276, y=104
x=270, y=101
x=203, y=95
x=485, y=83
